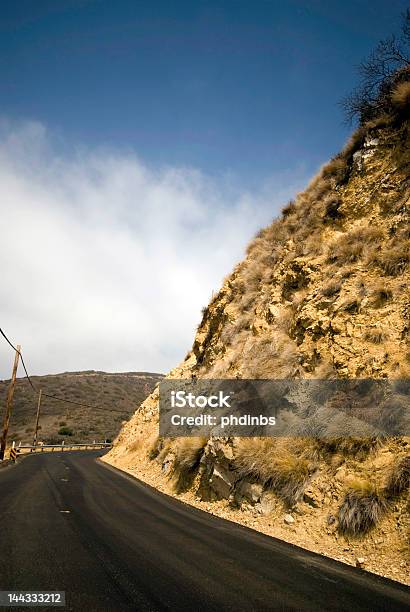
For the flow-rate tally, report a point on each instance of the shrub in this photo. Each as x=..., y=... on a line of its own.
x=362, y=508
x=399, y=479
x=351, y=305
x=386, y=67
x=349, y=247
x=393, y=261
x=332, y=209
x=352, y=446
x=401, y=96
x=154, y=448
x=380, y=295
x=331, y=288
x=337, y=169
x=65, y=431
x=377, y=336
x=289, y=209
x=275, y=467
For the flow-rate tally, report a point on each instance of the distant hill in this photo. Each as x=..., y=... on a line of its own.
x=114, y=396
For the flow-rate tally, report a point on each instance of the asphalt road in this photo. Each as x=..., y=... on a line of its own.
x=124, y=546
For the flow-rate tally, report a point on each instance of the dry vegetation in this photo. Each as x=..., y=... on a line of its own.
x=362, y=508
x=322, y=293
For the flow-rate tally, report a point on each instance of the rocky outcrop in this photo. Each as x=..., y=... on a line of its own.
x=323, y=292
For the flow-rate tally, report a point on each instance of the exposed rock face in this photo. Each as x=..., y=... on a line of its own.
x=323, y=292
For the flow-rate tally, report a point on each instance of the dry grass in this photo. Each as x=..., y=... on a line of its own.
x=154, y=448
x=380, y=295
x=400, y=96
x=376, y=336
x=331, y=289
x=188, y=453
x=362, y=508
x=393, y=260
x=336, y=169
x=270, y=463
x=289, y=209
x=350, y=247
x=399, y=479
x=351, y=305
x=332, y=204
x=353, y=446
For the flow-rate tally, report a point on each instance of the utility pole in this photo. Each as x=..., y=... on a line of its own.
x=37, y=417
x=9, y=404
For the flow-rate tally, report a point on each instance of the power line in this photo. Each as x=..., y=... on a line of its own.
x=59, y=399
x=21, y=357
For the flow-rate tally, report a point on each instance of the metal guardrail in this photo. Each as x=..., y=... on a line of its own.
x=61, y=447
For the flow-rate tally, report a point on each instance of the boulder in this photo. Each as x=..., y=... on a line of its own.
x=250, y=491
x=222, y=481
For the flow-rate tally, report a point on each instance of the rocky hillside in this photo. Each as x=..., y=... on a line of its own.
x=113, y=395
x=323, y=292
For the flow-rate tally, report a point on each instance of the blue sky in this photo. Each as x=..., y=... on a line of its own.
x=248, y=87
x=142, y=145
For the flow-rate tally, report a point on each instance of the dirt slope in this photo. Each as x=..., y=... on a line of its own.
x=323, y=292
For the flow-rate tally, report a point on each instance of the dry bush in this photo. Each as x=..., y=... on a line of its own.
x=351, y=305
x=252, y=276
x=289, y=209
x=261, y=356
x=188, y=453
x=352, y=446
x=355, y=142
x=228, y=333
x=155, y=447
x=270, y=463
x=337, y=169
x=362, y=508
x=376, y=336
x=399, y=479
x=350, y=247
x=400, y=96
x=393, y=260
x=332, y=204
x=331, y=289
x=380, y=295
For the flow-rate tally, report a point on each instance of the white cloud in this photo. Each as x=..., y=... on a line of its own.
x=106, y=263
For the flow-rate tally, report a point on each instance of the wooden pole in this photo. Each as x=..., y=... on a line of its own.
x=9, y=404
x=37, y=417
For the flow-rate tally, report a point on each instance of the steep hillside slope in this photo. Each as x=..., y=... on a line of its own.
x=113, y=395
x=322, y=293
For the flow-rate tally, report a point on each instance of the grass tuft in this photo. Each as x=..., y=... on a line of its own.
x=275, y=467
x=188, y=453
x=399, y=479
x=362, y=508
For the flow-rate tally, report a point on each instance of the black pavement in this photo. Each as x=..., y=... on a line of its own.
x=70, y=523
